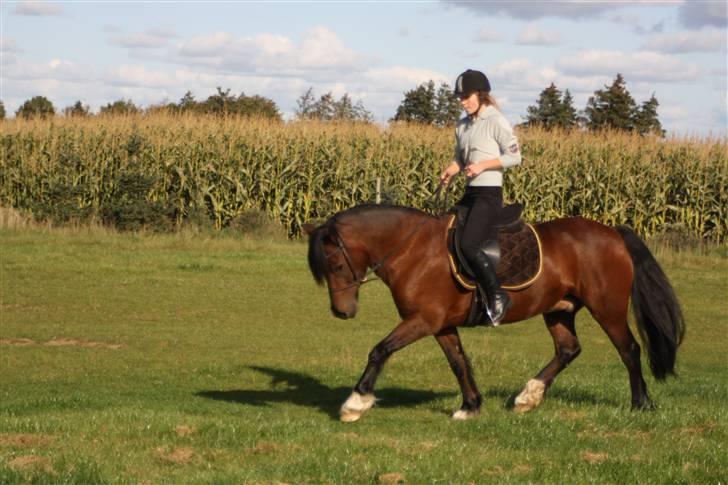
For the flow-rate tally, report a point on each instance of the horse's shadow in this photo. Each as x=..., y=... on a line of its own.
x=305, y=390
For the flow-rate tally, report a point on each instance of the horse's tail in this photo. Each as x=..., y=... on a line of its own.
x=659, y=317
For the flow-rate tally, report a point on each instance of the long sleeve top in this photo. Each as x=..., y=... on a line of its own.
x=486, y=137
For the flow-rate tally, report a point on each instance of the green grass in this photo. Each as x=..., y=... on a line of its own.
x=191, y=358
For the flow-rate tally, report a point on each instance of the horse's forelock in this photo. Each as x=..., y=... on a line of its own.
x=317, y=262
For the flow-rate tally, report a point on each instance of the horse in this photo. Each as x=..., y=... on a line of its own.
x=585, y=264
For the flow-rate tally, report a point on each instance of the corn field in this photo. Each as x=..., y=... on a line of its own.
x=299, y=172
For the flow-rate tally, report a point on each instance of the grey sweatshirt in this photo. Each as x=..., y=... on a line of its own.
x=487, y=137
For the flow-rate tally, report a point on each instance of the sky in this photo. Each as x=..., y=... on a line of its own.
x=151, y=52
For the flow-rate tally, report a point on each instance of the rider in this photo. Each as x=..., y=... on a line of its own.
x=485, y=146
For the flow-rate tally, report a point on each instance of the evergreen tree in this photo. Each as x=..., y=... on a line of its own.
x=612, y=107
x=425, y=105
x=38, y=106
x=447, y=106
x=2, y=110
x=568, y=116
x=552, y=109
x=419, y=105
x=646, y=120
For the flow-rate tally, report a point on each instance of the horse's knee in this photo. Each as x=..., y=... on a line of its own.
x=569, y=353
x=379, y=354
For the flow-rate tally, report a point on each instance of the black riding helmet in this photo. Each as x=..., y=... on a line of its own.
x=471, y=81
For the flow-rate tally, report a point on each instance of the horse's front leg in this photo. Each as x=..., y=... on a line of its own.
x=449, y=341
x=362, y=399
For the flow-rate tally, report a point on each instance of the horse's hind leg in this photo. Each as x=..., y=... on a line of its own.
x=449, y=341
x=561, y=326
x=615, y=325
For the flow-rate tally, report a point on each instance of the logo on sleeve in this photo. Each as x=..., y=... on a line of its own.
x=513, y=148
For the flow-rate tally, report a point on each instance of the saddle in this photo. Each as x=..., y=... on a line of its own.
x=517, y=257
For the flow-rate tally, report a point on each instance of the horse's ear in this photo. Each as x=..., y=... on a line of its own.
x=308, y=228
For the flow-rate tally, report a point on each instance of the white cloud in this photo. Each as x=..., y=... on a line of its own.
x=486, y=35
x=55, y=70
x=400, y=78
x=698, y=14
x=138, y=76
x=635, y=66
x=689, y=41
x=38, y=9
x=533, y=35
x=319, y=49
x=144, y=40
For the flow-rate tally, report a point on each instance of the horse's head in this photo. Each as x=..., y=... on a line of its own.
x=341, y=264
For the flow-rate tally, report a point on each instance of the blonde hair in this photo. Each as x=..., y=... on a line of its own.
x=487, y=99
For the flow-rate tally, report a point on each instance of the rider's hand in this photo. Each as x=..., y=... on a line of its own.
x=448, y=173
x=474, y=170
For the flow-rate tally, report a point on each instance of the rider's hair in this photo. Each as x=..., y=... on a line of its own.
x=487, y=99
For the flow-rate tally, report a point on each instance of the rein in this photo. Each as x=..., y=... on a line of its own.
x=341, y=247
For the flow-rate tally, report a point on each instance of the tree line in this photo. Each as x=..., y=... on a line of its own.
x=612, y=107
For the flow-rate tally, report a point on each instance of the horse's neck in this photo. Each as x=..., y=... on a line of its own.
x=388, y=235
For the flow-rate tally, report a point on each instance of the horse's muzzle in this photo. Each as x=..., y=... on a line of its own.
x=343, y=315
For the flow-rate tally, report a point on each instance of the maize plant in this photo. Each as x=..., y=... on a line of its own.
x=298, y=172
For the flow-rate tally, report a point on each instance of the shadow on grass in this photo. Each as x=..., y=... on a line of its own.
x=571, y=396
x=304, y=390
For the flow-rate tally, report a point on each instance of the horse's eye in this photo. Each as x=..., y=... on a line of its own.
x=338, y=267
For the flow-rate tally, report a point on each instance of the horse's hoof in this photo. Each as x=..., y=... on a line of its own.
x=355, y=407
x=349, y=416
x=530, y=397
x=643, y=406
x=463, y=414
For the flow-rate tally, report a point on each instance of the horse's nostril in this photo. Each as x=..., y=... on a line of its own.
x=339, y=314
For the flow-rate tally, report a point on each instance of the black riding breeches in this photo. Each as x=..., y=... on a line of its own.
x=483, y=204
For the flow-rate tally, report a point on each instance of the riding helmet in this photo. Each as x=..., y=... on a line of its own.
x=471, y=81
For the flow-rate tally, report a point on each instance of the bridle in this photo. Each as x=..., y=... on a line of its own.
x=357, y=281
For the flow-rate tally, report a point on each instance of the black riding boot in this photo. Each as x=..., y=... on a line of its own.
x=498, y=301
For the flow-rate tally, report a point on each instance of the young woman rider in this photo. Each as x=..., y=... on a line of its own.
x=484, y=146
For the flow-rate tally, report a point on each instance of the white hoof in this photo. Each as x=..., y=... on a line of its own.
x=530, y=397
x=355, y=407
x=462, y=415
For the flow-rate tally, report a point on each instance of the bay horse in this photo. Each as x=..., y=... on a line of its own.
x=584, y=264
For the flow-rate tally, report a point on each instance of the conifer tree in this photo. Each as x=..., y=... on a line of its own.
x=612, y=107
x=646, y=120
x=425, y=105
x=552, y=109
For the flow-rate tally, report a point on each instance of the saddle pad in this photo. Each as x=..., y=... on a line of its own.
x=519, y=265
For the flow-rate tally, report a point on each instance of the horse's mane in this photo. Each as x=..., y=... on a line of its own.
x=317, y=260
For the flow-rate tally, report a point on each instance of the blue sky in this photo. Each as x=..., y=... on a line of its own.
x=99, y=52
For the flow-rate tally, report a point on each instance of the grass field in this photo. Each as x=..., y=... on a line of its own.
x=186, y=358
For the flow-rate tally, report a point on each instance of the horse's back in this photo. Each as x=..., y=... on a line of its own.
x=586, y=253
